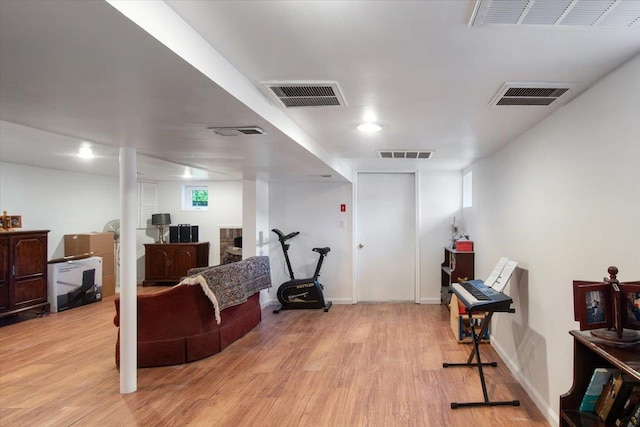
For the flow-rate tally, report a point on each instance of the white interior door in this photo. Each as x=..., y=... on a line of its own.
x=386, y=221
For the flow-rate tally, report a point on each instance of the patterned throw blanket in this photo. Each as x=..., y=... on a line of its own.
x=231, y=284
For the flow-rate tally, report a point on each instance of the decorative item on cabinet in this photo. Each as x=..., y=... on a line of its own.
x=183, y=233
x=9, y=222
x=161, y=219
x=609, y=309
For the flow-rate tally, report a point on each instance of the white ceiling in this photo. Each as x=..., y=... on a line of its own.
x=82, y=71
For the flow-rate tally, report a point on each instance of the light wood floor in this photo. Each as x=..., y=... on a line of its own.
x=357, y=365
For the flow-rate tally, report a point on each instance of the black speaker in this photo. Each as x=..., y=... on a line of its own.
x=173, y=234
x=184, y=233
x=194, y=233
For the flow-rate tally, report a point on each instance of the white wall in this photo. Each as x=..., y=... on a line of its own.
x=563, y=200
x=69, y=202
x=60, y=201
x=225, y=210
x=313, y=209
x=440, y=199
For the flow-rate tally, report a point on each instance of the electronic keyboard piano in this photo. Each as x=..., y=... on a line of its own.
x=476, y=296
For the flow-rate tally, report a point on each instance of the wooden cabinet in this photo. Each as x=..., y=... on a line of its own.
x=588, y=355
x=457, y=265
x=23, y=271
x=169, y=262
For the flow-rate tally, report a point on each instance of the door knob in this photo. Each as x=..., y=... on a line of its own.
x=360, y=246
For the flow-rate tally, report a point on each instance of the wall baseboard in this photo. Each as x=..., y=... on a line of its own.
x=546, y=410
x=273, y=301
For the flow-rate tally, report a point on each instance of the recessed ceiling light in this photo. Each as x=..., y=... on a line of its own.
x=85, y=152
x=187, y=173
x=369, y=127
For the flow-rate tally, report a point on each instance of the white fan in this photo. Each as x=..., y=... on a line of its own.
x=113, y=226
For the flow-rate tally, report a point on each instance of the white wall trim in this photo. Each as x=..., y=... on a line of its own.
x=435, y=301
x=549, y=414
x=417, y=260
x=354, y=239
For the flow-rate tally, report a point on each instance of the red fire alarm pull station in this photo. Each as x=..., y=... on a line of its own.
x=343, y=208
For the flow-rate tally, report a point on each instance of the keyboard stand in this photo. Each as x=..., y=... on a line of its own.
x=476, y=352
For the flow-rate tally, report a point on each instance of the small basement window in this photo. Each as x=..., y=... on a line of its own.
x=195, y=197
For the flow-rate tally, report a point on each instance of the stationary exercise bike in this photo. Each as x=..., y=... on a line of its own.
x=301, y=293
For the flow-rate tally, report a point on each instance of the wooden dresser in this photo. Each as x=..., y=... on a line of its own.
x=169, y=262
x=23, y=271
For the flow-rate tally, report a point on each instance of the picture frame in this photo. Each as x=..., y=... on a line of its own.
x=631, y=305
x=16, y=221
x=592, y=305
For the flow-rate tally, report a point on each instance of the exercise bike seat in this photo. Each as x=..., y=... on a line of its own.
x=321, y=251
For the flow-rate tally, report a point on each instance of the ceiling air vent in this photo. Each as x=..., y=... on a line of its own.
x=566, y=13
x=530, y=94
x=235, y=131
x=305, y=94
x=404, y=154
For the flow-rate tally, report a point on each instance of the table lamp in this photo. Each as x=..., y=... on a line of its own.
x=161, y=220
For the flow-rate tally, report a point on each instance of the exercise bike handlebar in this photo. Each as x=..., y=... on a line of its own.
x=284, y=238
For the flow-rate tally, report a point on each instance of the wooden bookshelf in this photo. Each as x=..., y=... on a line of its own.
x=589, y=354
x=456, y=265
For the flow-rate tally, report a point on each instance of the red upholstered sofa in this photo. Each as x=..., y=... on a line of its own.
x=178, y=325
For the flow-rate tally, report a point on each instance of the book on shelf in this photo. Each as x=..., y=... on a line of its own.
x=630, y=408
x=599, y=378
x=614, y=396
x=635, y=418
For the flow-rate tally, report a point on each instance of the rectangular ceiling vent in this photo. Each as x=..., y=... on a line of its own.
x=566, y=13
x=530, y=94
x=295, y=94
x=236, y=131
x=404, y=154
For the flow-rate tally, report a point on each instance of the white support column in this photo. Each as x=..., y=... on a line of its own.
x=255, y=218
x=255, y=223
x=262, y=218
x=248, y=219
x=128, y=274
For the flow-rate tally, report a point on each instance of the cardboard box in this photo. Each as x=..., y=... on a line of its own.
x=74, y=283
x=98, y=243
x=460, y=322
x=108, y=285
x=108, y=264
